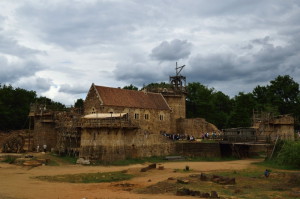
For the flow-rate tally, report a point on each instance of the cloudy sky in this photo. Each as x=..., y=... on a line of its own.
x=60, y=47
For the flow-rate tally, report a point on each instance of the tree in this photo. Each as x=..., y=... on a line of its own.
x=241, y=114
x=197, y=100
x=207, y=103
x=14, y=107
x=131, y=87
x=222, y=106
x=284, y=93
x=79, y=103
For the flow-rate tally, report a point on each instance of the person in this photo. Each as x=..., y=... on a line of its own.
x=267, y=173
x=38, y=148
x=45, y=147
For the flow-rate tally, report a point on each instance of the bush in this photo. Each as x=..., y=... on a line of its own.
x=289, y=154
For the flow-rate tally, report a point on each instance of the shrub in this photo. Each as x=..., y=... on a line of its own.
x=289, y=154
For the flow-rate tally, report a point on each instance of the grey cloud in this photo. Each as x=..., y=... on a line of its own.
x=11, y=47
x=139, y=74
x=72, y=89
x=173, y=50
x=263, y=41
x=259, y=67
x=11, y=72
x=72, y=25
x=37, y=84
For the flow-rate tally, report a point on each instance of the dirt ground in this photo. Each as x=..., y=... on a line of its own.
x=17, y=182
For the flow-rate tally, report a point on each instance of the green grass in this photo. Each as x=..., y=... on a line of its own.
x=156, y=159
x=64, y=159
x=275, y=165
x=9, y=159
x=52, y=163
x=210, y=159
x=256, y=173
x=130, y=161
x=87, y=177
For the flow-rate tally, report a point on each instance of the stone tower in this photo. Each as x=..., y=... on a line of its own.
x=176, y=97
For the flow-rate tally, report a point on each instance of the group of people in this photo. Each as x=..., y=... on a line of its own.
x=179, y=137
x=44, y=148
x=213, y=135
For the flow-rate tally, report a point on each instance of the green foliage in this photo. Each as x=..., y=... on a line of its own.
x=49, y=104
x=207, y=103
x=9, y=159
x=289, y=154
x=282, y=96
x=243, y=107
x=15, y=106
x=131, y=87
x=79, y=103
x=88, y=177
x=285, y=156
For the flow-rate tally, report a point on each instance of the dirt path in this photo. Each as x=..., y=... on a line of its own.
x=16, y=182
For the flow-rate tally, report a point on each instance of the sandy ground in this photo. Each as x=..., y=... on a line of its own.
x=16, y=182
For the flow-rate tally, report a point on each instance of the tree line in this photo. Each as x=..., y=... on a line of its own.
x=280, y=96
x=15, y=106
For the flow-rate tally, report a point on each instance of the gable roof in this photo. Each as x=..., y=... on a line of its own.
x=131, y=99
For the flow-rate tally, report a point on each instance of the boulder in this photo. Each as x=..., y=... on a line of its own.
x=83, y=161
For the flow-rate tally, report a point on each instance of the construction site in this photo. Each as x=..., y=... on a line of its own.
x=117, y=124
x=150, y=129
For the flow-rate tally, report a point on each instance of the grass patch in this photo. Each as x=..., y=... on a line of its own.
x=130, y=161
x=252, y=173
x=63, y=159
x=210, y=159
x=250, y=183
x=156, y=159
x=52, y=163
x=9, y=159
x=273, y=164
x=87, y=177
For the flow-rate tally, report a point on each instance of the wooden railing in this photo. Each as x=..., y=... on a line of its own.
x=109, y=123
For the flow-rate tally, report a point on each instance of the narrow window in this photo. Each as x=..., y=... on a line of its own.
x=136, y=116
x=161, y=117
x=146, y=116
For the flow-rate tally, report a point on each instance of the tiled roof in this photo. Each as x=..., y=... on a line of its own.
x=131, y=98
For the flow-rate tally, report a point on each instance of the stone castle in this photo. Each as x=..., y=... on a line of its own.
x=117, y=123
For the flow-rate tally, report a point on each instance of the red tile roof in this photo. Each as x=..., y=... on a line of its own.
x=131, y=98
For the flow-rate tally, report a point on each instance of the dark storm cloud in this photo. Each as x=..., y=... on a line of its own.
x=78, y=89
x=261, y=66
x=233, y=41
x=11, y=72
x=78, y=24
x=173, y=50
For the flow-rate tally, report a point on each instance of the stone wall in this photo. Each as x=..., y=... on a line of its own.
x=44, y=133
x=198, y=149
x=282, y=126
x=108, y=144
x=195, y=127
x=156, y=121
x=92, y=102
x=177, y=104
